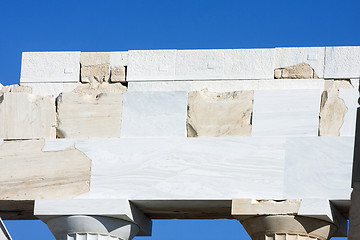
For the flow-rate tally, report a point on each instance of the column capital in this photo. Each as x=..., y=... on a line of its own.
x=95, y=219
x=289, y=219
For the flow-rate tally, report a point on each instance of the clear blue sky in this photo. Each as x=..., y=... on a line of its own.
x=114, y=25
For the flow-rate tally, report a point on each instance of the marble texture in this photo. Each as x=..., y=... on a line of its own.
x=50, y=67
x=318, y=167
x=27, y=116
x=219, y=114
x=314, y=56
x=50, y=89
x=154, y=114
x=227, y=85
x=54, y=145
x=199, y=64
x=350, y=97
x=342, y=62
x=155, y=65
x=27, y=173
x=249, y=63
x=185, y=168
x=118, y=59
x=84, y=115
x=286, y=113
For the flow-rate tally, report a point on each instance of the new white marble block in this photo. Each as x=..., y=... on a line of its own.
x=199, y=64
x=319, y=166
x=314, y=56
x=153, y=65
x=154, y=114
x=185, y=168
x=50, y=67
x=249, y=63
x=342, y=62
x=286, y=112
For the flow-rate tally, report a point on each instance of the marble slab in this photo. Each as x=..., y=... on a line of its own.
x=314, y=56
x=156, y=65
x=118, y=59
x=318, y=167
x=227, y=85
x=286, y=113
x=185, y=168
x=342, y=62
x=50, y=67
x=199, y=64
x=249, y=63
x=154, y=114
x=350, y=97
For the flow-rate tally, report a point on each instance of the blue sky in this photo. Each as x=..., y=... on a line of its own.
x=114, y=25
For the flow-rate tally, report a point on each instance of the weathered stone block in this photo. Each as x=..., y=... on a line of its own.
x=99, y=73
x=332, y=110
x=314, y=56
x=16, y=89
x=213, y=114
x=57, y=174
x=26, y=116
x=298, y=71
x=90, y=112
x=94, y=58
x=118, y=74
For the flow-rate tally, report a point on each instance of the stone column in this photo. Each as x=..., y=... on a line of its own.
x=288, y=227
x=80, y=227
x=289, y=219
x=92, y=219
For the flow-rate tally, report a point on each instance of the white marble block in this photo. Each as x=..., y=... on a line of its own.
x=286, y=113
x=314, y=56
x=156, y=65
x=249, y=63
x=185, y=168
x=318, y=167
x=199, y=64
x=118, y=59
x=342, y=62
x=27, y=116
x=154, y=114
x=50, y=67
